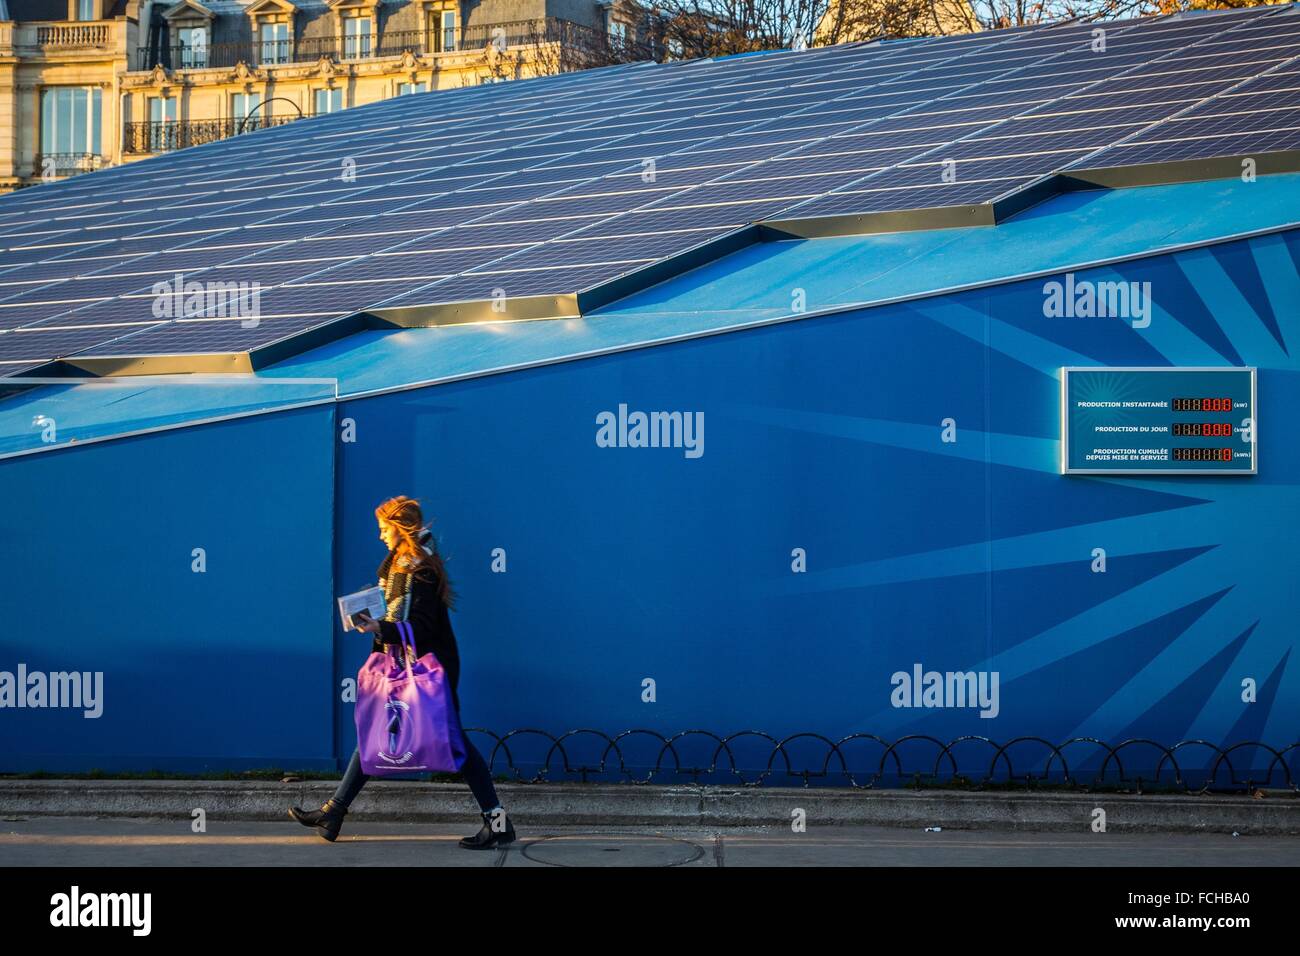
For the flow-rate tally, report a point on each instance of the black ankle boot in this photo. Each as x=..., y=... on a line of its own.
x=487, y=838
x=327, y=820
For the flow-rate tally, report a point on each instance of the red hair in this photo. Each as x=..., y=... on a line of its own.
x=415, y=543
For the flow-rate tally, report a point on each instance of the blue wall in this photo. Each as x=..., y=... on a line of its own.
x=824, y=434
x=633, y=563
x=228, y=668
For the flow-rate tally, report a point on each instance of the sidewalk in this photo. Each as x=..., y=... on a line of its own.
x=64, y=842
x=1276, y=812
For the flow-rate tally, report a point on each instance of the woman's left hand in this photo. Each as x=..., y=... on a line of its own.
x=368, y=624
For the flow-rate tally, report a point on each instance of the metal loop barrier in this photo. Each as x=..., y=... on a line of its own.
x=751, y=758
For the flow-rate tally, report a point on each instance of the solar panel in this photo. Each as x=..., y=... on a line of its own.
x=877, y=192
x=1254, y=115
x=212, y=335
x=544, y=187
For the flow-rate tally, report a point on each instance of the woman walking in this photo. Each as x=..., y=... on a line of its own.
x=416, y=590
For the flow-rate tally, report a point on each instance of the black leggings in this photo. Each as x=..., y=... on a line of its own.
x=474, y=770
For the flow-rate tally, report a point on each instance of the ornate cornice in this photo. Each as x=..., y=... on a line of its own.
x=243, y=73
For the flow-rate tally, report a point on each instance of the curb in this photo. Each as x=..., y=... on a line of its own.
x=1277, y=813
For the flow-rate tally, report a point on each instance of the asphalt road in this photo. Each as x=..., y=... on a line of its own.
x=56, y=841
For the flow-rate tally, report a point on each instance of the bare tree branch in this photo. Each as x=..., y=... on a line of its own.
x=710, y=28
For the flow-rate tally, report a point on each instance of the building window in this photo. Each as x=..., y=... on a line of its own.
x=162, y=109
x=328, y=101
x=275, y=43
x=70, y=121
x=356, y=38
x=86, y=10
x=404, y=88
x=162, y=123
x=448, y=32
x=194, y=47
x=618, y=31
x=244, y=105
x=442, y=30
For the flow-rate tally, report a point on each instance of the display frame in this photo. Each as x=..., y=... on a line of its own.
x=1065, y=468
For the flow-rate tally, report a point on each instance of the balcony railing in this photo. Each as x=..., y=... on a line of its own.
x=311, y=49
x=550, y=30
x=593, y=47
x=560, y=45
x=54, y=38
x=275, y=52
x=69, y=36
x=67, y=164
x=164, y=135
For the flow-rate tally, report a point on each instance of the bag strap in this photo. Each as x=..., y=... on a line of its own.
x=407, y=633
x=398, y=651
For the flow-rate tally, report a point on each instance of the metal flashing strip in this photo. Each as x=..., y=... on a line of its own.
x=23, y=383
x=151, y=365
x=873, y=223
x=133, y=382
x=518, y=309
x=1180, y=171
x=1019, y=199
x=820, y=313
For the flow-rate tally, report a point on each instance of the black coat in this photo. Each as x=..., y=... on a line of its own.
x=430, y=623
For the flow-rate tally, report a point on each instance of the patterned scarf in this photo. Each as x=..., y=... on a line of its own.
x=397, y=589
x=397, y=585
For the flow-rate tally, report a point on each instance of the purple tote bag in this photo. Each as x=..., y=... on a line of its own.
x=405, y=719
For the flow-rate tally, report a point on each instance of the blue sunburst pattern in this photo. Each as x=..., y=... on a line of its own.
x=824, y=440
x=1198, y=598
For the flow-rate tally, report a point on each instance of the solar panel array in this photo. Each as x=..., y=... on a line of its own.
x=562, y=184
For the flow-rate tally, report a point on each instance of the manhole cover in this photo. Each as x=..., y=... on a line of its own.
x=613, y=849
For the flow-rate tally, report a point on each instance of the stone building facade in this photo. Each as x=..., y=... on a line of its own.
x=90, y=83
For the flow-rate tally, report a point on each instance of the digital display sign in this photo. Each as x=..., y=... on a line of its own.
x=1158, y=421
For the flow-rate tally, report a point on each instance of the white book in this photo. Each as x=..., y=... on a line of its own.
x=371, y=600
